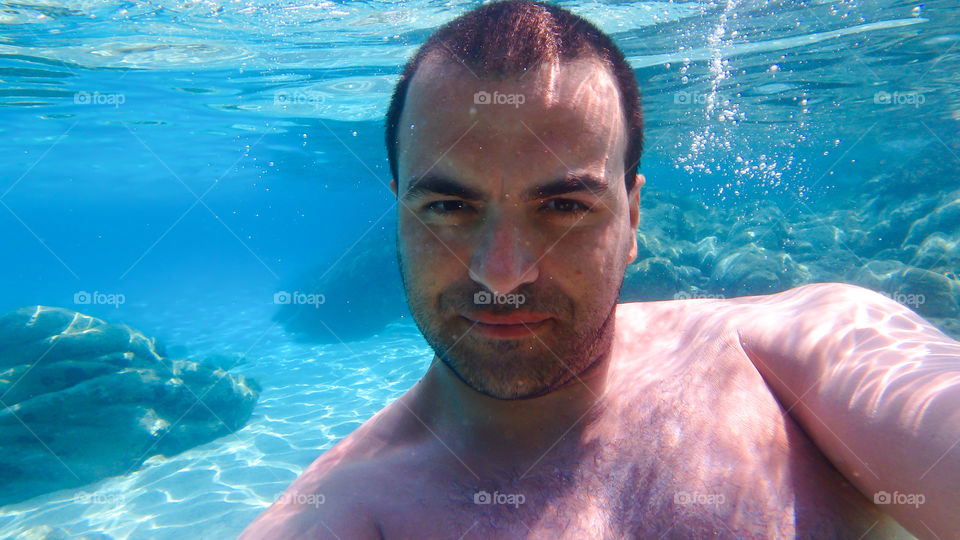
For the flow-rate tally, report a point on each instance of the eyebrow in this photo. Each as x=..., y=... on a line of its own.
x=422, y=186
x=570, y=184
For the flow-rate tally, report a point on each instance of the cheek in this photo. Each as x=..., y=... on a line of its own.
x=426, y=255
x=591, y=259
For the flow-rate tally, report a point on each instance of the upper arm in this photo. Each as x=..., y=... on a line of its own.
x=875, y=386
x=832, y=336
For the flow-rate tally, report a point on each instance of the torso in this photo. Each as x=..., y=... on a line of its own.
x=692, y=444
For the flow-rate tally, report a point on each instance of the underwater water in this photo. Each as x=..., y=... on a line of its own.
x=175, y=165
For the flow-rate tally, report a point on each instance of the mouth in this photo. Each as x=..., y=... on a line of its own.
x=512, y=326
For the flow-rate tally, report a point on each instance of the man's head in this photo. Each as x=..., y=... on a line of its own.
x=509, y=38
x=514, y=136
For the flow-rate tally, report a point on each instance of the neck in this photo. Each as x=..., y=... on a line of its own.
x=474, y=423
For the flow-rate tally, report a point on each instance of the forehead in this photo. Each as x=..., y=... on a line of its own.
x=557, y=117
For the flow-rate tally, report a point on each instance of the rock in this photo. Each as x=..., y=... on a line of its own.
x=670, y=219
x=224, y=361
x=830, y=268
x=938, y=252
x=689, y=274
x=876, y=275
x=821, y=238
x=948, y=325
x=928, y=293
x=655, y=278
x=752, y=270
x=891, y=223
x=897, y=233
x=84, y=400
x=945, y=218
x=765, y=227
x=933, y=169
x=649, y=245
x=903, y=254
x=702, y=255
x=671, y=215
x=361, y=293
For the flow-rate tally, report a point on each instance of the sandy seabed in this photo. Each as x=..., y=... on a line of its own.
x=313, y=395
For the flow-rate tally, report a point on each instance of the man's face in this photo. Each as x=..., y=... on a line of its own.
x=514, y=224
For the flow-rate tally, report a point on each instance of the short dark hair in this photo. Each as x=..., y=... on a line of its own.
x=508, y=38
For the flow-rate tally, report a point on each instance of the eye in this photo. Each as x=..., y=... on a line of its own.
x=567, y=206
x=446, y=207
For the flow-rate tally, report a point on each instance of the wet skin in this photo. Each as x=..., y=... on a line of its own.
x=683, y=440
x=596, y=420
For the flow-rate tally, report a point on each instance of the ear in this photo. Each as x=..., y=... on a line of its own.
x=633, y=201
x=393, y=187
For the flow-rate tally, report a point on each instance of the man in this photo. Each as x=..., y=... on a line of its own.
x=550, y=411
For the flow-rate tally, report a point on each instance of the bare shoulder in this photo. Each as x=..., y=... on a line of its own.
x=332, y=497
x=816, y=307
x=816, y=299
x=330, y=505
x=665, y=318
x=822, y=294
x=808, y=318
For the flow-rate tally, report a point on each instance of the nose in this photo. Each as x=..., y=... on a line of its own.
x=503, y=259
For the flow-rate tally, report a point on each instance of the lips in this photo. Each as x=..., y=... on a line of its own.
x=513, y=326
x=510, y=319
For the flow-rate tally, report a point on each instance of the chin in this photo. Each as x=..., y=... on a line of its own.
x=507, y=391
x=496, y=376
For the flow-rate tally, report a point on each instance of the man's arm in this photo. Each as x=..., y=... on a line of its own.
x=874, y=386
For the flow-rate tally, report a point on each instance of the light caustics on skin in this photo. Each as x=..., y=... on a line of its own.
x=865, y=361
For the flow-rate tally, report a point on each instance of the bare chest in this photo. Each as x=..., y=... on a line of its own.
x=705, y=451
x=628, y=493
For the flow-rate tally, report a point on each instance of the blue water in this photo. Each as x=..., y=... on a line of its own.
x=194, y=157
